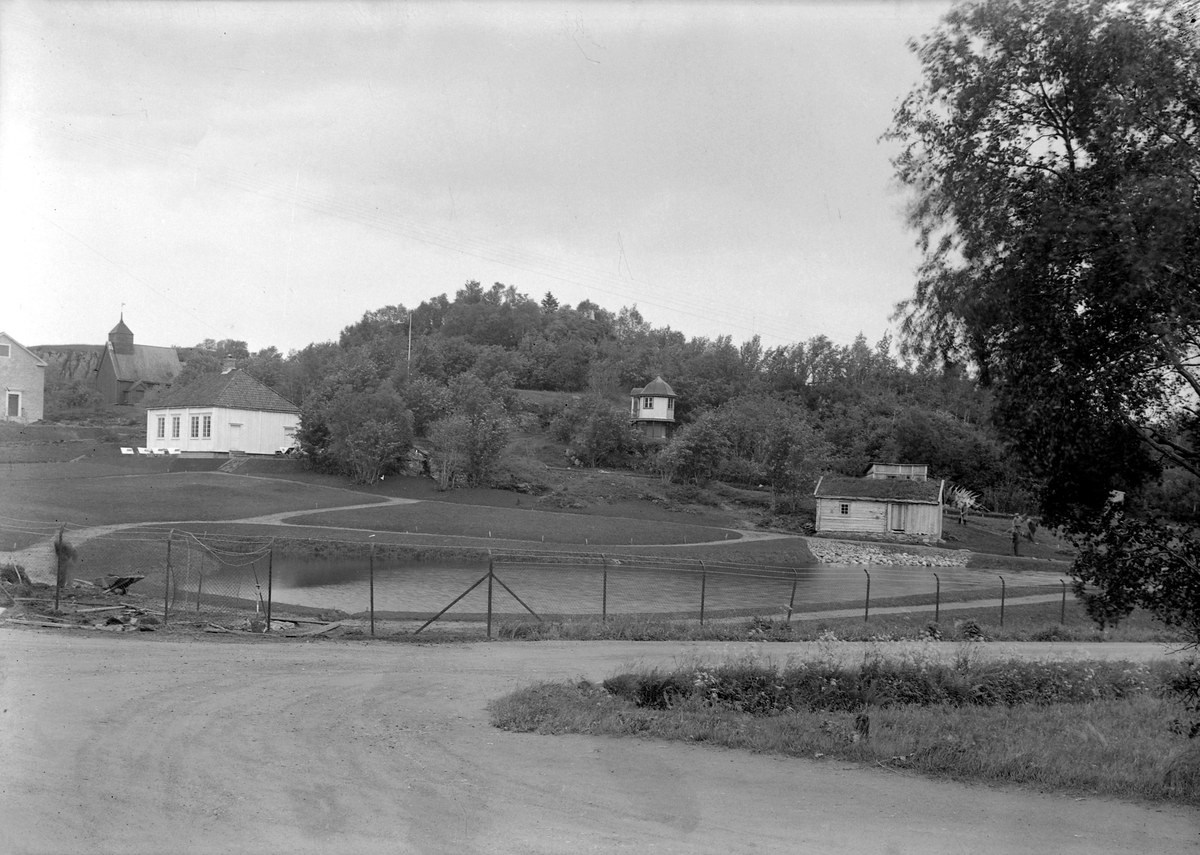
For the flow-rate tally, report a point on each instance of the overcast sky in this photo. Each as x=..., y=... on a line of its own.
x=270, y=171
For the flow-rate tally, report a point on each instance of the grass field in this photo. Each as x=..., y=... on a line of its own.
x=514, y=524
x=91, y=495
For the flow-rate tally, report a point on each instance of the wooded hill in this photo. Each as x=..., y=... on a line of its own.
x=746, y=414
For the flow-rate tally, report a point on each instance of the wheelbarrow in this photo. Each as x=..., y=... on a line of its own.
x=118, y=584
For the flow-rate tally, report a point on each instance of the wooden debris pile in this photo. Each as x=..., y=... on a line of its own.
x=122, y=617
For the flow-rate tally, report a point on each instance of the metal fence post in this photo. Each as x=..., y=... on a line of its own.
x=937, y=600
x=60, y=566
x=867, y=602
x=792, y=601
x=703, y=586
x=1002, y=586
x=604, y=591
x=489, y=607
x=1062, y=614
x=167, y=584
x=371, y=572
x=270, y=581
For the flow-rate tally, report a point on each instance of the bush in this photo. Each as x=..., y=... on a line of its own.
x=761, y=689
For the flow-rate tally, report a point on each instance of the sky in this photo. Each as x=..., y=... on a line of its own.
x=269, y=171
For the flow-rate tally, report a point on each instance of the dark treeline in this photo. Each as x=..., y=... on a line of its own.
x=445, y=372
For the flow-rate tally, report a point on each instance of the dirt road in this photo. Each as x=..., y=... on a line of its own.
x=130, y=744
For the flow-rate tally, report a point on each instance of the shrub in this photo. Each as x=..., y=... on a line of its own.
x=762, y=689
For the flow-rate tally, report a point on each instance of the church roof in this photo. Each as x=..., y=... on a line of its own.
x=235, y=390
x=655, y=388
x=120, y=329
x=147, y=363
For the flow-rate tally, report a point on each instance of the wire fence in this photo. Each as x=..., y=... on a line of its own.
x=227, y=580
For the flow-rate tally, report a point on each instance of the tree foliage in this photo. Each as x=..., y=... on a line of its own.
x=1052, y=148
x=1126, y=563
x=363, y=434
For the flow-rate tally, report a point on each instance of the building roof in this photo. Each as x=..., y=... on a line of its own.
x=235, y=390
x=147, y=363
x=41, y=362
x=120, y=328
x=655, y=388
x=898, y=490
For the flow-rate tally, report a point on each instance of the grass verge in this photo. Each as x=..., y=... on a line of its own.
x=1029, y=622
x=1102, y=728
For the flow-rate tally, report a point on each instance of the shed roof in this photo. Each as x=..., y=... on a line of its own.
x=657, y=387
x=147, y=363
x=235, y=390
x=899, y=490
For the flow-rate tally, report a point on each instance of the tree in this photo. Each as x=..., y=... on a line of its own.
x=471, y=438
x=1126, y=563
x=695, y=453
x=362, y=434
x=1054, y=153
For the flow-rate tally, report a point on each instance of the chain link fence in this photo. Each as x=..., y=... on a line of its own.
x=225, y=580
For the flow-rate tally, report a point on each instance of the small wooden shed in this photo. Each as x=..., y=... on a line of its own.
x=887, y=507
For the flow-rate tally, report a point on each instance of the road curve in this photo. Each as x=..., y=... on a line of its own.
x=156, y=745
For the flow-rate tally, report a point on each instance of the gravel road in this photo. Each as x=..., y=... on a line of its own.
x=133, y=744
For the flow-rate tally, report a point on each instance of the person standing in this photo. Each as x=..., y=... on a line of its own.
x=1016, y=534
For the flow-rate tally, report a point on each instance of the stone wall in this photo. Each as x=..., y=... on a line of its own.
x=843, y=552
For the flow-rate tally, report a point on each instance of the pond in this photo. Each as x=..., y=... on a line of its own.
x=424, y=588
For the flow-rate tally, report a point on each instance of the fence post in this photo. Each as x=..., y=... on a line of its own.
x=371, y=572
x=1002, y=586
x=867, y=602
x=270, y=582
x=1062, y=614
x=60, y=565
x=167, y=584
x=489, y=609
x=703, y=587
x=199, y=585
x=604, y=591
x=937, y=600
x=792, y=601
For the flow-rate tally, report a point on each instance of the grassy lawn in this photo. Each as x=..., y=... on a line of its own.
x=514, y=524
x=993, y=535
x=82, y=496
x=1075, y=727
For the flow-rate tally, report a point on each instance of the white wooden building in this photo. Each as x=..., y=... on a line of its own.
x=219, y=414
x=652, y=410
x=887, y=507
x=23, y=374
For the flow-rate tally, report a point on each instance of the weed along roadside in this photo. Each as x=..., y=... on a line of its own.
x=1081, y=727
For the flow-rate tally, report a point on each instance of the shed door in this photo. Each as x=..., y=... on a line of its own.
x=895, y=516
x=235, y=437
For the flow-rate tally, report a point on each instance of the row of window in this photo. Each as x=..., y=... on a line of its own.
x=200, y=427
x=648, y=403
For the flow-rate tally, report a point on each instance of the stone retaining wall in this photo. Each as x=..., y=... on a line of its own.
x=841, y=552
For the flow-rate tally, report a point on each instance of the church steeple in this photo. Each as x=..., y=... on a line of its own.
x=121, y=338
